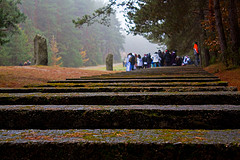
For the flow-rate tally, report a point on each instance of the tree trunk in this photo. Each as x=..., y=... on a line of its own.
x=234, y=30
x=36, y=14
x=211, y=13
x=206, y=50
x=212, y=21
x=220, y=29
x=207, y=56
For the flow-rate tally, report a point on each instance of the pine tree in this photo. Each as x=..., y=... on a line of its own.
x=17, y=50
x=10, y=17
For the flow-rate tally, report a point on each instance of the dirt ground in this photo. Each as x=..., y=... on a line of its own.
x=19, y=76
x=232, y=76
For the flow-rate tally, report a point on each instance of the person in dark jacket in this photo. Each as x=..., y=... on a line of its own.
x=173, y=58
x=161, y=55
x=149, y=60
x=144, y=59
x=133, y=61
x=178, y=61
x=167, y=58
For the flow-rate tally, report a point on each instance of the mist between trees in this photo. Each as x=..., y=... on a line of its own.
x=68, y=46
x=214, y=24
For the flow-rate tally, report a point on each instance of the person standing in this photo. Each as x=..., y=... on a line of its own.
x=149, y=60
x=144, y=59
x=196, y=54
x=128, y=62
x=155, y=59
x=173, y=58
x=167, y=58
x=133, y=61
x=161, y=55
x=135, y=65
x=139, y=62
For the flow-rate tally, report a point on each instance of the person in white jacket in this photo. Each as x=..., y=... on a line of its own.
x=139, y=62
x=128, y=63
x=156, y=59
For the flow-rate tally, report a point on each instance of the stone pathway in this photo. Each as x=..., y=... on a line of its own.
x=159, y=113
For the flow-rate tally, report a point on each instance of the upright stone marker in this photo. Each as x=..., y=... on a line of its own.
x=109, y=62
x=40, y=51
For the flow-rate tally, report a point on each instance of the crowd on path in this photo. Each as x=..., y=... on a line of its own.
x=159, y=59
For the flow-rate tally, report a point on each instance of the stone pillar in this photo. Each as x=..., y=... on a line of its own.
x=109, y=62
x=40, y=51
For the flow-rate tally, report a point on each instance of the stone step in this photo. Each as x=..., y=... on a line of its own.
x=170, y=84
x=158, y=72
x=121, y=98
x=120, y=144
x=177, y=71
x=149, y=74
x=143, y=77
x=120, y=117
x=136, y=80
x=115, y=89
x=172, y=69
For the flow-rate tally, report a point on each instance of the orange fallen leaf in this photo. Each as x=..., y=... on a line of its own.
x=200, y=138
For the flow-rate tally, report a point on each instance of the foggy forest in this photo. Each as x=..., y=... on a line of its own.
x=173, y=24
x=68, y=46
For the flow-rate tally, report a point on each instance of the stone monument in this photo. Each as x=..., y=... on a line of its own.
x=40, y=51
x=109, y=62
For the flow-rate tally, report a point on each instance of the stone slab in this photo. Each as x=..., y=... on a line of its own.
x=171, y=84
x=136, y=80
x=121, y=117
x=120, y=144
x=115, y=89
x=143, y=77
x=121, y=98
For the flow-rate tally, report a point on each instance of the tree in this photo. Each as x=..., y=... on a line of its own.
x=10, y=17
x=174, y=22
x=51, y=17
x=220, y=29
x=179, y=23
x=84, y=56
x=234, y=30
x=16, y=51
x=55, y=57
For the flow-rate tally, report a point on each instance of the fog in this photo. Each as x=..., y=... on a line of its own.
x=139, y=45
x=134, y=44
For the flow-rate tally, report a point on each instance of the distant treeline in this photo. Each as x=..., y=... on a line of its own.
x=83, y=46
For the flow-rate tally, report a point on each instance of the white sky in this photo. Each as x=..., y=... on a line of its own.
x=135, y=44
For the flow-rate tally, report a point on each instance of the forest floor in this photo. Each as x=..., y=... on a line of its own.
x=231, y=75
x=19, y=76
x=116, y=67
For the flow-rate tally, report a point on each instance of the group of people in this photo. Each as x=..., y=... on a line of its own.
x=158, y=59
x=27, y=63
